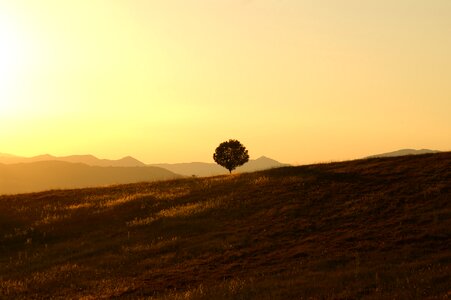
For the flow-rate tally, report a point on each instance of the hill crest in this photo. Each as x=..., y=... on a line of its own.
x=404, y=152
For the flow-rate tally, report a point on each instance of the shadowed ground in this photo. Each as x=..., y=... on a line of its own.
x=376, y=228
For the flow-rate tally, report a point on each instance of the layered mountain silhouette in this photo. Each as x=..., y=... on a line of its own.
x=212, y=169
x=89, y=160
x=44, y=172
x=403, y=152
x=185, y=169
x=46, y=175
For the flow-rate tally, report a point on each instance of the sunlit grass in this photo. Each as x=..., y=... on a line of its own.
x=154, y=245
x=228, y=289
x=79, y=206
x=11, y=287
x=183, y=210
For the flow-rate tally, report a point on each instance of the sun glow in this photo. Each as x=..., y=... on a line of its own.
x=15, y=59
x=13, y=48
x=298, y=81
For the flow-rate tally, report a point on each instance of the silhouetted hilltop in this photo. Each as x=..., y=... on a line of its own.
x=262, y=163
x=45, y=175
x=91, y=160
x=403, y=152
x=212, y=169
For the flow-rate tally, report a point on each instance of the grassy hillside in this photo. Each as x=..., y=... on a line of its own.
x=377, y=228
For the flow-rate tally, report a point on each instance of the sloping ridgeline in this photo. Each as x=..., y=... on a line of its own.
x=377, y=227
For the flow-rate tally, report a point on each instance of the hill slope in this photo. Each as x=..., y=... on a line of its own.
x=46, y=175
x=376, y=228
x=403, y=152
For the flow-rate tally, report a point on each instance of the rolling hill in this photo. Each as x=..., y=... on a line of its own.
x=376, y=229
x=46, y=175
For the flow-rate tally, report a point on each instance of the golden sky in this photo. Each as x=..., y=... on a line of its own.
x=299, y=81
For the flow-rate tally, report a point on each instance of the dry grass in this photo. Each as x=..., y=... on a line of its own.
x=372, y=229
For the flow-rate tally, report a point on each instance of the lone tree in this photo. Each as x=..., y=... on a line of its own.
x=231, y=154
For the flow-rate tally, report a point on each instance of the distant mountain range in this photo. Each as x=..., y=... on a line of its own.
x=403, y=152
x=212, y=169
x=43, y=172
x=89, y=160
x=45, y=175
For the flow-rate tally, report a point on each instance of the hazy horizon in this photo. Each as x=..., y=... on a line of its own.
x=6, y=155
x=167, y=81
x=205, y=161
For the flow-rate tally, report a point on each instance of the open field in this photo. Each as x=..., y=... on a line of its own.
x=374, y=229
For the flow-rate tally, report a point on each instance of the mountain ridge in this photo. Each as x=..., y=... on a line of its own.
x=53, y=174
x=87, y=159
x=43, y=172
x=185, y=169
x=202, y=169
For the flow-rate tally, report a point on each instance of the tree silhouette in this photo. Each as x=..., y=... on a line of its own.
x=231, y=154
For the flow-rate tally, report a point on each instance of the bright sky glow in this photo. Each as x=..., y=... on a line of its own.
x=167, y=81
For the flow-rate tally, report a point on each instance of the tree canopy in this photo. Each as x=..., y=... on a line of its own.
x=231, y=154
